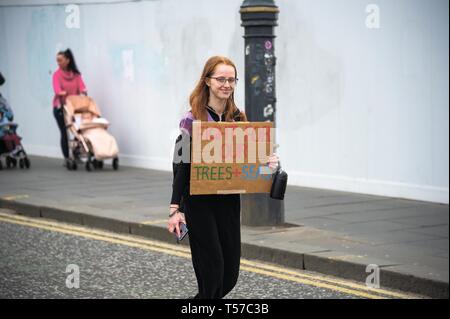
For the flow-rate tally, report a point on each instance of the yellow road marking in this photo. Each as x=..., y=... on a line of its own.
x=83, y=229
x=333, y=281
x=313, y=283
x=14, y=197
x=347, y=287
x=154, y=222
x=93, y=235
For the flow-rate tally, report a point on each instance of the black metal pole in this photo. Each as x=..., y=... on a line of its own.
x=259, y=17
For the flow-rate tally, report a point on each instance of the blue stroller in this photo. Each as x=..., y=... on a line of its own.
x=11, y=150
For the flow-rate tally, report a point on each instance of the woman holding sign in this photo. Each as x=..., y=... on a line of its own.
x=213, y=220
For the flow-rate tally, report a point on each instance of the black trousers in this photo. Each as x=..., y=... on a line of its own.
x=215, y=239
x=59, y=116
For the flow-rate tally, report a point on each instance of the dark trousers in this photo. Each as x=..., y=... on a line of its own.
x=59, y=116
x=215, y=239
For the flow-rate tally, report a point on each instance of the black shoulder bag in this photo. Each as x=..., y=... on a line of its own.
x=279, y=184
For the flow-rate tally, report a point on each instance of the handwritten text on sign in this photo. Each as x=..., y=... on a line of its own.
x=231, y=157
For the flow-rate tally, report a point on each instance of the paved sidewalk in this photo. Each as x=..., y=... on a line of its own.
x=336, y=233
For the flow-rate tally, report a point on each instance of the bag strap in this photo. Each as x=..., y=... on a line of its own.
x=236, y=114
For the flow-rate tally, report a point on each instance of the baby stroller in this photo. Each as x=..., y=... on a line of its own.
x=11, y=150
x=90, y=139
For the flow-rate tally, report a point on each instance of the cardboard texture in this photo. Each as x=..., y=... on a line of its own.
x=231, y=157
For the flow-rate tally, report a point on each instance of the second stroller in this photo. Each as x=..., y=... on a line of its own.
x=89, y=139
x=11, y=148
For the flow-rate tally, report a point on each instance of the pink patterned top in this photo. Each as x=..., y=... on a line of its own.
x=67, y=81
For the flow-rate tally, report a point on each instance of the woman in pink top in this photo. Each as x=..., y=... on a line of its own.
x=67, y=80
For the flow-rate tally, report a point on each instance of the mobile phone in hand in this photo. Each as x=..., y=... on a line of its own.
x=183, y=232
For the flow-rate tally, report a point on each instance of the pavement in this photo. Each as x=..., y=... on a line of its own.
x=330, y=232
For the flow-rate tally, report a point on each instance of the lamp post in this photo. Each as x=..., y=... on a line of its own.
x=259, y=17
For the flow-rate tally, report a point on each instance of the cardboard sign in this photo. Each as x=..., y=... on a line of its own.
x=231, y=157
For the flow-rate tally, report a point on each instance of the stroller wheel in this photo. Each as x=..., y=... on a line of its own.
x=10, y=162
x=27, y=162
x=115, y=164
x=1, y=165
x=21, y=163
x=88, y=166
x=74, y=165
x=97, y=164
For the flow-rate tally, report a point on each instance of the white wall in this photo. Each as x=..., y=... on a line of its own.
x=361, y=110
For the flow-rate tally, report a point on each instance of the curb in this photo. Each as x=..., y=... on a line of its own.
x=304, y=261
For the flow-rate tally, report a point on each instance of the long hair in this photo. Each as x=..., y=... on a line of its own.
x=72, y=65
x=200, y=95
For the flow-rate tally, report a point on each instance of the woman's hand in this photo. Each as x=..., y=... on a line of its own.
x=173, y=224
x=62, y=93
x=274, y=161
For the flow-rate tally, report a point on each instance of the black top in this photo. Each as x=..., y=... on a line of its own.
x=182, y=171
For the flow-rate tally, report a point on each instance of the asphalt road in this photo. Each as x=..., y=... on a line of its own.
x=40, y=259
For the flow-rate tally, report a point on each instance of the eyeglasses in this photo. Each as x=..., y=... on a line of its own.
x=223, y=80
